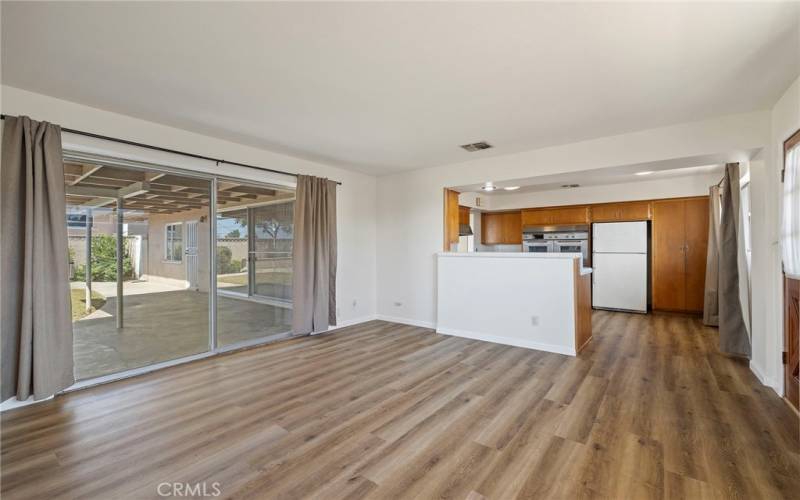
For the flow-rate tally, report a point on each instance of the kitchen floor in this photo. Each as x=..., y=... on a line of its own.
x=650, y=409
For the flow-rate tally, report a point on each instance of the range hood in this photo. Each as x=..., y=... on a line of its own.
x=464, y=230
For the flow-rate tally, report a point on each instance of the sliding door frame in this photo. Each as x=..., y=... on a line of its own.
x=214, y=348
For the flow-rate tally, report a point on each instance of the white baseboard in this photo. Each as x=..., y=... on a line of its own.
x=767, y=381
x=406, y=321
x=496, y=339
x=11, y=403
x=350, y=322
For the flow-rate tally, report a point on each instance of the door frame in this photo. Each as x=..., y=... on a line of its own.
x=790, y=143
x=196, y=227
x=214, y=179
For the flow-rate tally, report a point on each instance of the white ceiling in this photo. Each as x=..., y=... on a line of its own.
x=385, y=87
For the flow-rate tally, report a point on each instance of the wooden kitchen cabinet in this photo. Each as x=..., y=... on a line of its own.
x=679, y=247
x=536, y=217
x=451, y=214
x=624, y=211
x=570, y=215
x=553, y=216
x=463, y=215
x=501, y=228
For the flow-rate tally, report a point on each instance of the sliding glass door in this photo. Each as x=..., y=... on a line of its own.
x=139, y=251
x=254, y=263
x=167, y=265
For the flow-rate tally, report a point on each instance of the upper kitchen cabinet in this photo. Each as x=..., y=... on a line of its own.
x=559, y=215
x=624, y=211
x=680, y=240
x=536, y=217
x=463, y=215
x=501, y=228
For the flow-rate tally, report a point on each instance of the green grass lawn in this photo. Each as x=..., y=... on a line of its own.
x=78, y=296
x=263, y=277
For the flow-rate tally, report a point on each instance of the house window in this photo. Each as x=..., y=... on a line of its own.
x=790, y=232
x=173, y=242
x=744, y=201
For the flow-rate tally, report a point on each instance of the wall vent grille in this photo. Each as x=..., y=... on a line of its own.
x=476, y=146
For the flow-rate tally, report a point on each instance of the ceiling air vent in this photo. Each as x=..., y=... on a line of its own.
x=569, y=186
x=476, y=146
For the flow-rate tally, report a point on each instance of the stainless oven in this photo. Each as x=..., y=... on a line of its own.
x=557, y=239
x=572, y=242
x=540, y=246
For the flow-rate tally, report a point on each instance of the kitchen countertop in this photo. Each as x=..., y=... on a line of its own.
x=518, y=255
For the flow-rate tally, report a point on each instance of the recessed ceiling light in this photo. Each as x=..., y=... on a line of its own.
x=488, y=186
x=511, y=188
x=647, y=172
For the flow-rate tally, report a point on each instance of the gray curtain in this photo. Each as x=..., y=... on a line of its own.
x=314, y=255
x=734, y=336
x=36, y=313
x=711, y=301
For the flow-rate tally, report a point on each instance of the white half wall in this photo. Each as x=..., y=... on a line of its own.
x=356, y=211
x=410, y=208
x=499, y=298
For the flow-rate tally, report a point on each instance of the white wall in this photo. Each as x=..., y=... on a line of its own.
x=410, y=209
x=767, y=279
x=695, y=185
x=356, y=195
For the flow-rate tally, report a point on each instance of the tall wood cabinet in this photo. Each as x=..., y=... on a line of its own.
x=501, y=228
x=451, y=214
x=679, y=247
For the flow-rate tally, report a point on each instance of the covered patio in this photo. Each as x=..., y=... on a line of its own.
x=139, y=249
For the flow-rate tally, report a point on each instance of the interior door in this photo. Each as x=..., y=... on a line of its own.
x=190, y=252
x=792, y=340
x=669, y=255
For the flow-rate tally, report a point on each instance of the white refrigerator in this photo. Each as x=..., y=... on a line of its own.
x=619, y=262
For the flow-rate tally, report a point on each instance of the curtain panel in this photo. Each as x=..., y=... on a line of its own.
x=711, y=295
x=314, y=255
x=790, y=226
x=36, y=324
x=734, y=328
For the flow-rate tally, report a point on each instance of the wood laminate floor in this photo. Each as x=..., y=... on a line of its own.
x=649, y=410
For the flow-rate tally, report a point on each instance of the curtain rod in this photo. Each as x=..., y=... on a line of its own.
x=173, y=151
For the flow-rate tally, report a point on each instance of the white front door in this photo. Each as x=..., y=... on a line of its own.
x=191, y=255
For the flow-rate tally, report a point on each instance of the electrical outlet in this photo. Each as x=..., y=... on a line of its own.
x=535, y=320
x=398, y=304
